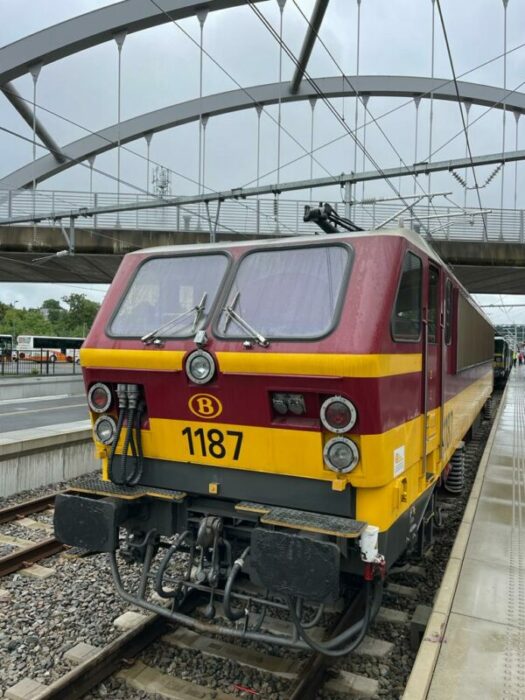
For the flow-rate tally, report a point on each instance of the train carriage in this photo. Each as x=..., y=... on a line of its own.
x=280, y=411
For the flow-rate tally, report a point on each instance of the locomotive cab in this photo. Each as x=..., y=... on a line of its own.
x=272, y=419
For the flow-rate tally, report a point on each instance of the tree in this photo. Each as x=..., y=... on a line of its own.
x=80, y=315
x=54, y=312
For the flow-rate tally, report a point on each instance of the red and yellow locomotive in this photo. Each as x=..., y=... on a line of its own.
x=280, y=410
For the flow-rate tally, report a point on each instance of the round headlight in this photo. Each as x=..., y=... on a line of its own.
x=99, y=398
x=200, y=367
x=105, y=429
x=341, y=455
x=338, y=414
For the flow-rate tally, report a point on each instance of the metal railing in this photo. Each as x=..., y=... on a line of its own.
x=38, y=363
x=264, y=216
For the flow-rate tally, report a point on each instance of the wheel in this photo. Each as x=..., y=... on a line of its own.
x=53, y=358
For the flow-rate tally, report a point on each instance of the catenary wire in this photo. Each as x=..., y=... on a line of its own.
x=326, y=101
x=136, y=187
x=445, y=36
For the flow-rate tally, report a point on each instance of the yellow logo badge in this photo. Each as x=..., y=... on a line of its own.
x=205, y=406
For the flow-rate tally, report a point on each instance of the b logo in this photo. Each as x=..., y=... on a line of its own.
x=205, y=406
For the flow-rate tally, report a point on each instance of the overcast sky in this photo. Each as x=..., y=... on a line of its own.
x=160, y=67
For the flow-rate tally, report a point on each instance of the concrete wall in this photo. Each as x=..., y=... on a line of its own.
x=40, y=456
x=30, y=387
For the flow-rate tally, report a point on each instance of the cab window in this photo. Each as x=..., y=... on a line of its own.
x=287, y=292
x=175, y=294
x=406, y=321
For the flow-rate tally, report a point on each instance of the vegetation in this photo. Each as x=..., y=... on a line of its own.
x=72, y=316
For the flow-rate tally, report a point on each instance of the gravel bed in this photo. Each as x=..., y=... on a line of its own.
x=30, y=494
x=13, y=529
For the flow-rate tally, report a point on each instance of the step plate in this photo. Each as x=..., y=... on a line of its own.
x=108, y=488
x=303, y=520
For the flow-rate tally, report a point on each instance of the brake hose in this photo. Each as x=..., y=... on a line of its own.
x=123, y=409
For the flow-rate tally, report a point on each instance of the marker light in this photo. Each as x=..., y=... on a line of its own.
x=293, y=403
x=105, y=429
x=200, y=367
x=338, y=414
x=341, y=455
x=99, y=398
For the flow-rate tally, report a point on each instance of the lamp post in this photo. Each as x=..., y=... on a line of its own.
x=13, y=322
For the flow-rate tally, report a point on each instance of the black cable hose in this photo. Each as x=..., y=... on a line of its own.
x=164, y=565
x=124, y=458
x=111, y=459
x=136, y=450
x=230, y=613
x=360, y=628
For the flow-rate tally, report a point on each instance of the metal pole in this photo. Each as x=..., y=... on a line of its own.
x=119, y=40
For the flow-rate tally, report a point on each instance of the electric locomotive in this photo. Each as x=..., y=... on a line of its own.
x=273, y=418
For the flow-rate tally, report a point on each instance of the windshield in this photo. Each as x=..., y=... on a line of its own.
x=286, y=293
x=165, y=288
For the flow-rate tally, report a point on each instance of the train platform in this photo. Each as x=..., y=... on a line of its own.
x=474, y=644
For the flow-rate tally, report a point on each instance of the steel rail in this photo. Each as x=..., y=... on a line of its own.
x=21, y=509
x=29, y=555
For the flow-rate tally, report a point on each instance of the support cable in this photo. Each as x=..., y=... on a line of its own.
x=326, y=100
x=502, y=190
x=76, y=161
x=465, y=173
x=417, y=101
x=313, y=102
x=119, y=39
x=365, y=99
x=517, y=116
x=358, y=45
x=397, y=108
x=244, y=90
x=431, y=117
x=445, y=35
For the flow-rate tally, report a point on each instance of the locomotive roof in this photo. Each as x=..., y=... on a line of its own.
x=410, y=235
x=415, y=238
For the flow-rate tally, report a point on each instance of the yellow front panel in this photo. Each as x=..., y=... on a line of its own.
x=290, y=364
x=291, y=452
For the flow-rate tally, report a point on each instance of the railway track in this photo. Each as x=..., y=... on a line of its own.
x=30, y=554
x=161, y=660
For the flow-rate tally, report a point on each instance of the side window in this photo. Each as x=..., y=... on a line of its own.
x=406, y=322
x=448, y=312
x=433, y=304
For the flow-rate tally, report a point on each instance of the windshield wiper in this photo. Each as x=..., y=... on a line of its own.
x=152, y=336
x=232, y=314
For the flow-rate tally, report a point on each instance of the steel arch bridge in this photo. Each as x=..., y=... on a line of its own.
x=50, y=45
x=93, y=28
